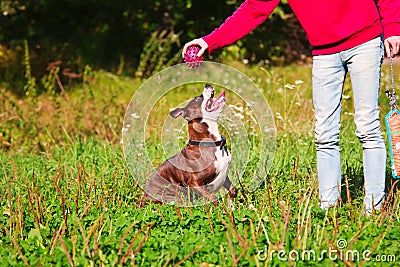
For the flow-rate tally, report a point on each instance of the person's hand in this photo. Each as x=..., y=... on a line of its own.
x=392, y=43
x=200, y=42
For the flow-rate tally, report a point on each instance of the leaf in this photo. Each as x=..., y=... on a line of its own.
x=102, y=257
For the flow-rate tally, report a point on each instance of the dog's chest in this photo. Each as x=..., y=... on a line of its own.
x=221, y=164
x=222, y=159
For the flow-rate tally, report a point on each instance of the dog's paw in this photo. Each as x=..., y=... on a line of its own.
x=146, y=199
x=215, y=202
x=233, y=192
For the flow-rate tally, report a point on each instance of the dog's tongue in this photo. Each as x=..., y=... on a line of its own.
x=222, y=94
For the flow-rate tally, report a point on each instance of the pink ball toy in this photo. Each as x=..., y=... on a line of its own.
x=191, y=58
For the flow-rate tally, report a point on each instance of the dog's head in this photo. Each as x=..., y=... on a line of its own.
x=202, y=106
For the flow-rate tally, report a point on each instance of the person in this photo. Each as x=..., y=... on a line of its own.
x=347, y=36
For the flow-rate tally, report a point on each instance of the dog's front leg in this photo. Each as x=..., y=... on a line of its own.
x=230, y=187
x=232, y=192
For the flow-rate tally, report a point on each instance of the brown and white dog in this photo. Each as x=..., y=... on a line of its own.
x=200, y=169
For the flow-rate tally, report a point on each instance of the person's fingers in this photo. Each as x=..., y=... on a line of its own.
x=203, y=46
x=387, y=48
x=392, y=44
x=201, y=51
x=395, y=48
x=185, y=47
x=200, y=42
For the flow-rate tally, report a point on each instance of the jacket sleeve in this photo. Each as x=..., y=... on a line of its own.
x=248, y=16
x=389, y=11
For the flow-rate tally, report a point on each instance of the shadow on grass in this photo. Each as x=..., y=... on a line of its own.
x=352, y=188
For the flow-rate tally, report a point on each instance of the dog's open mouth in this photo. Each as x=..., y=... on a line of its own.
x=215, y=104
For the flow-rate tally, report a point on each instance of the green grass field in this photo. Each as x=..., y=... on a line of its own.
x=68, y=198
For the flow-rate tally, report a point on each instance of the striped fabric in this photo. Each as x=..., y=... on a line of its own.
x=393, y=130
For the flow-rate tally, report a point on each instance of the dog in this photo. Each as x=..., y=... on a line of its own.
x=200, y=169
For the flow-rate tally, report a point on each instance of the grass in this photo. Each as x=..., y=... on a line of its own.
x=68, y=198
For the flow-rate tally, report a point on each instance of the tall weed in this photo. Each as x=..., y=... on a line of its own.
x=30, y=87
x=159, y=52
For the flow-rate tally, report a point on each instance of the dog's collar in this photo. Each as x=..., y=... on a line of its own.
x=221, y=143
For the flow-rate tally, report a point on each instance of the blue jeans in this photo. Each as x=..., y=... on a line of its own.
x=329, y=71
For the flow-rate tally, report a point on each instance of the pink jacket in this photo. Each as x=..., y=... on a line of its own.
x=331, y=25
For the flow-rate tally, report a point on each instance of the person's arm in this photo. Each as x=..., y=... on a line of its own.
x=248, y=16
x=389, y=11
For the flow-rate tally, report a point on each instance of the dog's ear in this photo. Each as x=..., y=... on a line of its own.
x=178, y=112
